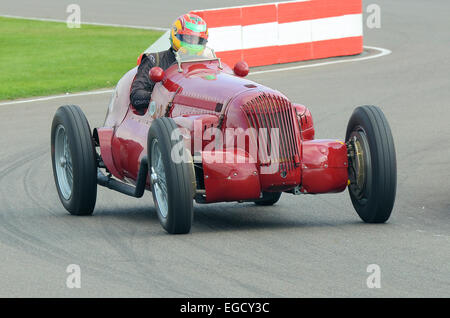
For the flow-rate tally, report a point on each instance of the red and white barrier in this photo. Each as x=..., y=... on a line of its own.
x=285, y=31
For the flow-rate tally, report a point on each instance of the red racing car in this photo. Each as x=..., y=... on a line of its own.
x=210, y=135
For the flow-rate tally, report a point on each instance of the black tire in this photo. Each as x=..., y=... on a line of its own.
x=177, y=217
x=83, y=160
x=372, y=173
x=269, y=198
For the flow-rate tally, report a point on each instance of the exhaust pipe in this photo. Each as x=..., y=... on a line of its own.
x=113, y=184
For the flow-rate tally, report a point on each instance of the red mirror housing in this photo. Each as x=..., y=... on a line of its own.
x=156, y=74
x=139, y=59
x=241, y=69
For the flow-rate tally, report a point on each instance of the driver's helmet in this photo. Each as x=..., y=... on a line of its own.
x=189, y=34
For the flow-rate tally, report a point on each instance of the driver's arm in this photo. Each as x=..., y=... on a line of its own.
x=142, y=86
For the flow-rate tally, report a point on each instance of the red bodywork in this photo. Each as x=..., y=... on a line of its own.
x=204, y=95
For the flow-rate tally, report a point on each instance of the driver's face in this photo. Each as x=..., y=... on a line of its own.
x=191, y=51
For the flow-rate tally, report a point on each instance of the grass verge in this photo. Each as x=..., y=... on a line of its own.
x=42, y=58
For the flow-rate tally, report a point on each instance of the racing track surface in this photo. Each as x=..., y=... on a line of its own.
x=304, y=246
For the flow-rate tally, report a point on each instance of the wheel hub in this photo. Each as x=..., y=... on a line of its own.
x=359, y=157
x=153, y=177
x=63, y=162
x=64, y=172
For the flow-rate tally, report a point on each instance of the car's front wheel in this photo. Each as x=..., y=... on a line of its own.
x=171, y=180
x=73, y=160
x=372, y=164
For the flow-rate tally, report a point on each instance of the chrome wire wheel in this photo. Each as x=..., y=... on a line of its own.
x=158, y=179
x=171, y=181
x=63, y=163
x=360, y=163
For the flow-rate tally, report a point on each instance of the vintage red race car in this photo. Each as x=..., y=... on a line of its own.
x=210, y=135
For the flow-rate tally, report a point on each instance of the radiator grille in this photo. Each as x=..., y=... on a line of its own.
x=268, y=111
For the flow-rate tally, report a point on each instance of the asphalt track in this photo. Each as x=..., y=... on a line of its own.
x=305, y=246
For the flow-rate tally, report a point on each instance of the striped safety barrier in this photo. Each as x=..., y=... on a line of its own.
x=285, y=31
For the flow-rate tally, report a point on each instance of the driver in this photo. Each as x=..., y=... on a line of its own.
x=189, y=34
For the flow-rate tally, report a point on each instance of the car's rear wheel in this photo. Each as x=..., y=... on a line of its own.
x=269, y=198
x=171, y=180
x=372, y=164
x=73, y=160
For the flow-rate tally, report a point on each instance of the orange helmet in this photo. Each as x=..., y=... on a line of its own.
x=189, y=33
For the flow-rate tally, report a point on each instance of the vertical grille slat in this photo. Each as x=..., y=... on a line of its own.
x=263, y=124
x=292, y=116
x=289, y=123
x=283, y=154
x=286, y=134
x=257, y=112
x=251, y=113
x=275, y=144
x=268, y=111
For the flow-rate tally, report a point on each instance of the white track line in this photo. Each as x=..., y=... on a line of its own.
x=40, y=99
x=383, y=52
x=87, y=23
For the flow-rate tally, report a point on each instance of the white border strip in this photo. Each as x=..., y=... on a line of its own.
x=87, y=23
x=383, y=52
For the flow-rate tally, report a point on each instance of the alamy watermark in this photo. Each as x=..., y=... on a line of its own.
x=234, y=145
x=373, y=20
x=374, y=279
x=74, y=18
x=73, y=280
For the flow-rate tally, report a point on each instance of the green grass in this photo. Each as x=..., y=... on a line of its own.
x=43, y=58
